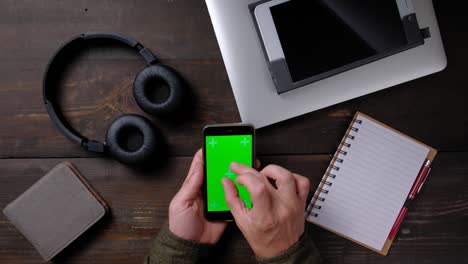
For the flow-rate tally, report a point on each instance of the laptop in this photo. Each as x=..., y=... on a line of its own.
x=260, y=99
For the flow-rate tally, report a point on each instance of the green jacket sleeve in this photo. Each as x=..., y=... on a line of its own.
x=304, y=251
x=168, y=248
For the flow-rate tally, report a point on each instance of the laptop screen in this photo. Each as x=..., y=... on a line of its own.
x=318, y=36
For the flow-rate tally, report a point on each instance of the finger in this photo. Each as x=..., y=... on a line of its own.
x=238, y=168
x=192, y=185
x=303, y=186
x=233, y=200
x=197, y=158
x=285, y=180
x=258, y=164
x=259, y=191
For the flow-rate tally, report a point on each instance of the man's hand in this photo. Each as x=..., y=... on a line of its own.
x=276, y=221
x=186, y=219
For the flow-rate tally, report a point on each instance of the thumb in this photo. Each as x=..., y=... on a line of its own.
x=233, y=200
x=192, y=185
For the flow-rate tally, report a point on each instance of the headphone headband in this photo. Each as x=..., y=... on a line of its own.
x=50, y=75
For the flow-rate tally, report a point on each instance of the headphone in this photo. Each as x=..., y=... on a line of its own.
x=119, y=130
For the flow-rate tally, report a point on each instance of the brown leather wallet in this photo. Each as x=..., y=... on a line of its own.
x=55, y=210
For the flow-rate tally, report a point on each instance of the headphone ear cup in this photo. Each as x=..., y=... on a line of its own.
x=119, y=133
x=175, y=84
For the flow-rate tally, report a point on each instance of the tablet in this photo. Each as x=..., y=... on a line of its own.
x=308, y=40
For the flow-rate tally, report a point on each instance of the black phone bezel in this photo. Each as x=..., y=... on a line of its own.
x=221, y=130
x=279, y=69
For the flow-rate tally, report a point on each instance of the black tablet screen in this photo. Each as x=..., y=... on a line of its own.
x=318, y=36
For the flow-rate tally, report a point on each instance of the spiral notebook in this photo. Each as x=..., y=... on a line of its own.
x=368, y=182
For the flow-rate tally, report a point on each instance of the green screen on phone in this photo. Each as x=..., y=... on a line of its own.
x=220, y=152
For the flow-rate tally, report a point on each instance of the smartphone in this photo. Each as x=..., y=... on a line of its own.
x=222, y=145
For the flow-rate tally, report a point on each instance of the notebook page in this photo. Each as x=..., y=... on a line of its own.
x=371, y=184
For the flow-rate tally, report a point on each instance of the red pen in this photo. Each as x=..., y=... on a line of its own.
x=420, y=179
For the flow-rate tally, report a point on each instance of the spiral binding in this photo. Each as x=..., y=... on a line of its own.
x=319, y=198
x=337, y=159
x=324, y=191
x=332, y=167
x=348, y=145
x=326, y=183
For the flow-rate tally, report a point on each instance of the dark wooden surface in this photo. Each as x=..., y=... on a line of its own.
x=96, y=89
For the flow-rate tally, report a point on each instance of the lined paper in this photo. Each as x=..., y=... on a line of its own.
x=371, y=184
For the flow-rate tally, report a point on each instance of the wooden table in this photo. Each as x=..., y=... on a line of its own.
x=97, y=88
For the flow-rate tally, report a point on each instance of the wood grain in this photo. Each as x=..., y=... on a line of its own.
x=173, y=28
x=98, y=92
x=96, y=88
x=97, y=85
x=434, y=231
